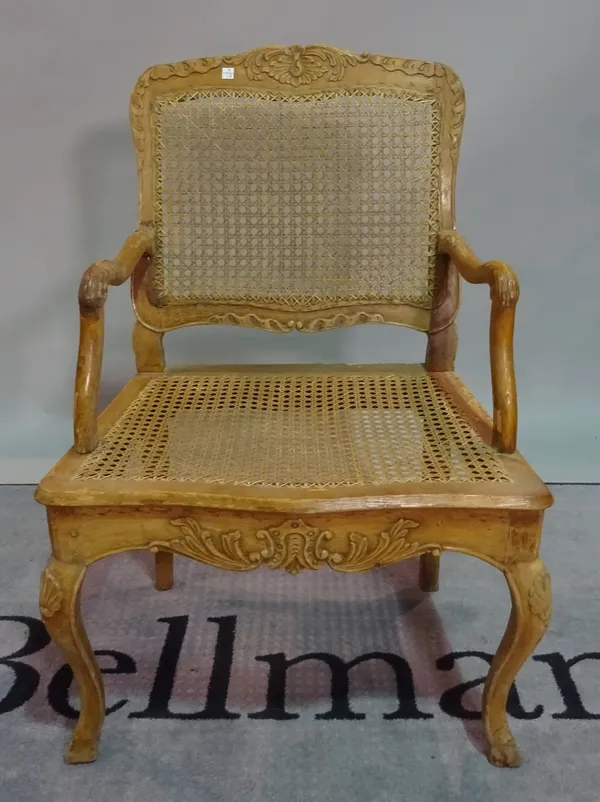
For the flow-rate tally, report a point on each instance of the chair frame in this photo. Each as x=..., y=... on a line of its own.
x=290, y=531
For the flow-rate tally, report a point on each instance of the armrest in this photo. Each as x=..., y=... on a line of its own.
x=504, y=294
x=97, y=278
x=92, y=295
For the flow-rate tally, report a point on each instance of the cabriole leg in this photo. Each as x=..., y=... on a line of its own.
x=60, y=610
x=530, y=592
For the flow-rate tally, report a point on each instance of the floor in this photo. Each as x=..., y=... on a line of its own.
x=200, y=708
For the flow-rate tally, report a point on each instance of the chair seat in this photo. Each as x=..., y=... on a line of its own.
x=296, y=436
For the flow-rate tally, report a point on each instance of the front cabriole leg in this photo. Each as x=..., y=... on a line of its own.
x=530, y=591
x=60, y=610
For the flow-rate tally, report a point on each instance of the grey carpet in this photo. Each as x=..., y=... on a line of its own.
x=301, y=758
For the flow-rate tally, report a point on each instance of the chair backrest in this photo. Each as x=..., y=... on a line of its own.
x=297, y=188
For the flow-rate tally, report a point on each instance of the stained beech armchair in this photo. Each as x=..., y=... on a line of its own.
x=296, y=189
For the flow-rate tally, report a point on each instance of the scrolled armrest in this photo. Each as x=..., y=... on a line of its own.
x=503, y=281
x=92, y=296
x=504, y=293
x=97, y=278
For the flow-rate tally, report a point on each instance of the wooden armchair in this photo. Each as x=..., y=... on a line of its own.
x=299, y=188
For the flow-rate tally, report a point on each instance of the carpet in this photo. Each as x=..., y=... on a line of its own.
x=264, y=686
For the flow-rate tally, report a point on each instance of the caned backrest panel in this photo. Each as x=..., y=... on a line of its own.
x=306, y=188
x=306, y=201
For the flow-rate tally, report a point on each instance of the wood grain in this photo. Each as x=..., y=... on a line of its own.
x=504, y=292
x=529, y=584
x=429, y=572
x=92, y=295
x=298, y=70
x=60, y=610
x=295, y=528
x=163, y=564
x=148, y=349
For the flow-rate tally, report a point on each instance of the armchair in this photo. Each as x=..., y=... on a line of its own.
x=296, y=189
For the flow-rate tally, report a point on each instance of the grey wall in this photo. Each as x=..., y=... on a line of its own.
x=528, y=193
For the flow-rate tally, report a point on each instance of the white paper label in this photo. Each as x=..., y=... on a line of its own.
x=227, y=72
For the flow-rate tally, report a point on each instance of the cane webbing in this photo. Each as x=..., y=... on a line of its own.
x=298, y=429
x=296, y=201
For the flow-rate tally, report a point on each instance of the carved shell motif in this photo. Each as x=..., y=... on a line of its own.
x=293, y=545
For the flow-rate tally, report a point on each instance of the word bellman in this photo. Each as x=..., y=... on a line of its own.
x=26, y=679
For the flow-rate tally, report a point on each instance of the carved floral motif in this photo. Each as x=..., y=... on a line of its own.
x=390, y=547
x=293, y=545
x=300, y=66
x=539, y=598
x=222, y=549
x=51, y=595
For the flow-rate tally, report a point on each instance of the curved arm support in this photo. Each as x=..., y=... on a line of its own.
x=504, y=294
x=92, y=295
x=97, y=278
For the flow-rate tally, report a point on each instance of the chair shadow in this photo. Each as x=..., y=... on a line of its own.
x=420, y=633
x=431, y=641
